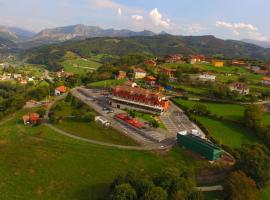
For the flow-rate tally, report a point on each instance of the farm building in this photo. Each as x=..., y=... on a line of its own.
x=218, y=63
x=150, y=80
x=60, y=90
x=196, y=59
x=265, y=81
x=139, y=73
x=121, y=75
x=31, y=119
x=124, y=96
x=239, y=87
x=200, y=146
x=207, y=77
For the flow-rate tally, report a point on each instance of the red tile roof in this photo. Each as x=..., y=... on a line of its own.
x=62, y=89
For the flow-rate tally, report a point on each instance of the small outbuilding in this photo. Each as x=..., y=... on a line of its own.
x=31, y=118
x=60, y=90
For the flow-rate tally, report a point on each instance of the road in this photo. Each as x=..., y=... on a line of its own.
x=138, y=148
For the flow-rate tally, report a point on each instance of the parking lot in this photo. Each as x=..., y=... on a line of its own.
x=98, y=100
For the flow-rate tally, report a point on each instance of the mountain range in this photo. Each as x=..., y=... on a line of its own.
x=96, y=39
x=27, y=39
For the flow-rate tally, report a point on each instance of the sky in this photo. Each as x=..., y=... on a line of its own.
x=227, y=19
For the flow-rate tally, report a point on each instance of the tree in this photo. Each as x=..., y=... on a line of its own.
x=253, y=116
x=254, y=161
x=200, y=109
x=156, y=193
x=123, y=192
x=154, y=123
x=240, y=187
x=88, y=117
x=41, y=111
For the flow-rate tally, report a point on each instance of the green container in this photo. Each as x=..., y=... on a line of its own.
x=200, y=146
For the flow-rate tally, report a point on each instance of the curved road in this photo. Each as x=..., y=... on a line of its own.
x=138, y=148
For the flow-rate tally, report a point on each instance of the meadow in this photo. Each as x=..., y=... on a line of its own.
x=38, y=163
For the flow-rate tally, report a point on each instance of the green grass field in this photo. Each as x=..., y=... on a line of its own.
x=228, y=111
x=80, y=65
x=229, y=134
x=90, y=130
x=37, y=163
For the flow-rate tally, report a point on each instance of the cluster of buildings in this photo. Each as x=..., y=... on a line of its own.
x=16, y=77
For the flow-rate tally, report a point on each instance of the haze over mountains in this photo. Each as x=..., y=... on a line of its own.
x=16, y=38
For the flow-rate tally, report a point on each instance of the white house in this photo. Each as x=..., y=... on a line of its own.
x=265, y=81
x=207, y=77
x=239, y=87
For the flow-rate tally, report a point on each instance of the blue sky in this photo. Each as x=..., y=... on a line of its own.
x=228, y=19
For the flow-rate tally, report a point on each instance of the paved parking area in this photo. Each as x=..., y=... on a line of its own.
x=148, y=137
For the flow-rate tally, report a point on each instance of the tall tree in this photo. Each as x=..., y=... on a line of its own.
x=240, y=187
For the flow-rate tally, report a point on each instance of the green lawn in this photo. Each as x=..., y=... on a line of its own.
x=265, y=194
x=80, y=65
x=37, y=163
x=229, y=134
x=90, y=130
x=228, y=111
x=95, y=131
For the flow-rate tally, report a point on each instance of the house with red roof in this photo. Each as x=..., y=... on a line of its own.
x=151, y=63
x=265, y=81
x=31, y=118
x=150, y=80
x=139, y=73
x=193, y=59
x=60, y=90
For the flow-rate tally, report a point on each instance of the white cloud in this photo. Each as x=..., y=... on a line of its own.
x=258, y=36
x=235, y=26
x=243, y=30
x=157, y=18
x=119, y=12
x=137, y=18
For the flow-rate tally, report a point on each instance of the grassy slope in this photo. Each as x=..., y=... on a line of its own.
x=229, y=134
x=90, y=130
x=80, y=66
x=37, y=163
x=229, y=111
x=95, y=131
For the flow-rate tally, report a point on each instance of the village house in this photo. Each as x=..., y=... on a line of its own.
x=218, y=63
x=23, y=81
x=241, y=88
x=265, y=81
x=139, y=73
x=169, y=72
x=138, y=98
x=176, y=58
x=151, y=63
x=207, y=76
x=150, y=80
x=238, y=63
x=31, y=119
x=121, y=75
x=60, y=90
x=17, y=77
x=196, y=59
